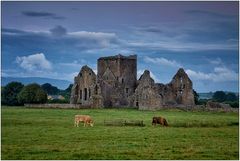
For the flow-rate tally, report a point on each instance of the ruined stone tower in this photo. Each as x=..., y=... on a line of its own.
x=116, y=85
x=117, y=76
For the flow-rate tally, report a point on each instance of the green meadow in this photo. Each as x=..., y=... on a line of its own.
x=50, y=134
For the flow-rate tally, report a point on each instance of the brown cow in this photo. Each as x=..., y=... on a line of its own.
x=83, y=118
x=159, y=120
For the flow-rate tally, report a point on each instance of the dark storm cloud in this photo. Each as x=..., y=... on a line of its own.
x=58, y=31
x=42, y=14
x=152, y=29
x=57, y=38
x=209, y=13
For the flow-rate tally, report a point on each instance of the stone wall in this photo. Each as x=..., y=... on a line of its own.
x=185, y=108
x=146, y=96
x=211, y=104
x=55, y=105
x=86, y=91
x=116, y=85
x=179, y=91
x=117, y=76
x=152, y=96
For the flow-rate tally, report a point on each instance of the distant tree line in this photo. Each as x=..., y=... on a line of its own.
x=219, y=96
x=16, y=94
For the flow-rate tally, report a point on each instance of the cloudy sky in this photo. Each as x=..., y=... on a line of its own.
x=54, y=39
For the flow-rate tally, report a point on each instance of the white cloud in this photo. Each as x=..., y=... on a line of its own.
x=154, y=77
x=216, y=61
x=93, y=35
x=198, y=75
x=103, y=39
x=34, y=62
x=75, y=64
x=162, y=61
x=219, y=74
x=95, y=71
x=182, y=45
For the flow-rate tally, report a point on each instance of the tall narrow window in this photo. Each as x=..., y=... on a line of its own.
x=89, y=92
x=85, y=93
x=126, y=90
x=122, y=80
x=80, y=94
x=137, y=104
x=96, y=90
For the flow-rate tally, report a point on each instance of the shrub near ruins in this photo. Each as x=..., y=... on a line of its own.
x=10, y=92
x=32, y=93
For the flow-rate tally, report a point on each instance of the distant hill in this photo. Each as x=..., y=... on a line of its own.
x=61, y=84
x=209, y=95
x=205, y=95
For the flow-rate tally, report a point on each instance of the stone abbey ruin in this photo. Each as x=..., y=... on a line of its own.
x=116, y=85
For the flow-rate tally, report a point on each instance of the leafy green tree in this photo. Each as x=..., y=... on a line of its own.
x=234, y=104
x=202, y=101
x=196, y=97
x=32, y=93
x=10, y=92
x=49, y=89
x=231, y=96
x=219, y=96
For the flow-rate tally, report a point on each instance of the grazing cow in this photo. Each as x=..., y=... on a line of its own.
x=83, y=118
x=159, y=120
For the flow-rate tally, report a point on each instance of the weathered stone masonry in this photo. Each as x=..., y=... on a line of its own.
x=116, y=85
x=117, y=76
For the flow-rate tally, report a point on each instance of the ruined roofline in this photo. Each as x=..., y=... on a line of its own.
x=86, y=68
x=180, y=71
x=119, y=56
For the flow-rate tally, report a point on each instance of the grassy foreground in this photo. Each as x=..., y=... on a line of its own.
x=50, y=134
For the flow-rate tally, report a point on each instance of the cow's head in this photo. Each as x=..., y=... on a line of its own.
x=91, y=123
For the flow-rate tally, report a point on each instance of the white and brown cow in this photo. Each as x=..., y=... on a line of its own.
x=83, y=118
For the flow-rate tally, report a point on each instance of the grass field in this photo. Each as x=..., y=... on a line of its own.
x=50, y=134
